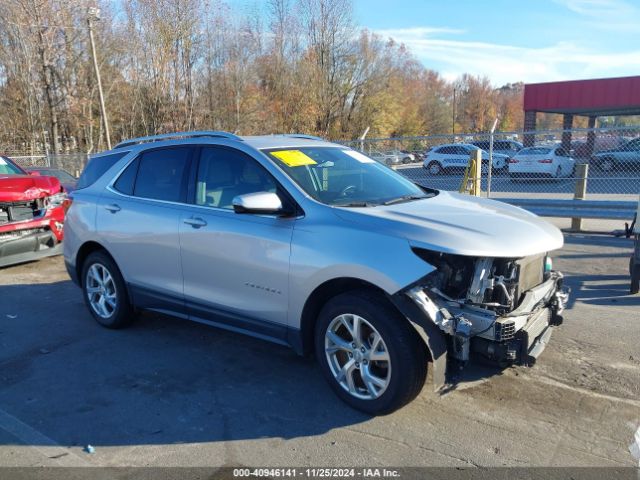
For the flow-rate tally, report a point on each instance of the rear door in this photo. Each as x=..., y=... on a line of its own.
x=236, y=266
x=138, y=218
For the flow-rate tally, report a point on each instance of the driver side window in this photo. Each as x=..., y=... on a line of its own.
x=224, y=173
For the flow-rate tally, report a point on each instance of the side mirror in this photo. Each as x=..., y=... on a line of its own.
x=34, y=173
x=265, y=203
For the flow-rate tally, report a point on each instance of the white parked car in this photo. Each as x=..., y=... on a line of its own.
x=547, y=161
x=456, y=156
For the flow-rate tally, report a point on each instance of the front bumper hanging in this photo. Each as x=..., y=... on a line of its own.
x=518, y=337
x=25, y=248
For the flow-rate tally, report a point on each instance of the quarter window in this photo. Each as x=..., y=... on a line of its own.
x=97, y=167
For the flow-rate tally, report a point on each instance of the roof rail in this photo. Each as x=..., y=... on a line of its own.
x=169, y=136
x=302, y=135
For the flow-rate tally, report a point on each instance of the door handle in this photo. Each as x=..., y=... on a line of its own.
x=195, y=222
x=113, y=208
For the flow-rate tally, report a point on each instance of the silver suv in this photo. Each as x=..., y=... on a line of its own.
x=313, y=245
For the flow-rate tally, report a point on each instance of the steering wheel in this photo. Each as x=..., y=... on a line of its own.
x=348, y=190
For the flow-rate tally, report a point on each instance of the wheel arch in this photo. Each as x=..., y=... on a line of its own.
x=84, y=251
x=320, y=295
x=430, y=336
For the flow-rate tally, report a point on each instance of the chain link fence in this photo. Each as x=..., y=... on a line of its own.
x=540, y=164
x=552, y=164
x=73, y=163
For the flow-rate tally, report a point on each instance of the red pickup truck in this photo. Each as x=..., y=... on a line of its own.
x=32, y=210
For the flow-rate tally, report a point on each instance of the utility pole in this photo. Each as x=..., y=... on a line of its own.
x=93, y=13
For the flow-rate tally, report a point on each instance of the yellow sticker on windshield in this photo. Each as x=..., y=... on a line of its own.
x=294, y=158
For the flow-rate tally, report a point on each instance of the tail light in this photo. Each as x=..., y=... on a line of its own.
x=512, y=160
x=546, y=160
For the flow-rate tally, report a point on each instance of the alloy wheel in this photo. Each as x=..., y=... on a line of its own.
x=358, y=356
x=101, y=290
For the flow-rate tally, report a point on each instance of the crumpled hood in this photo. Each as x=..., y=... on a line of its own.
x=461, y=224
x=15, y=188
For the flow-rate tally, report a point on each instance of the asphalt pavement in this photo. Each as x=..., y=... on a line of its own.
x=171, y=393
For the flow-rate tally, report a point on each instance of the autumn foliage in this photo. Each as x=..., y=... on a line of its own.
x=170, y=65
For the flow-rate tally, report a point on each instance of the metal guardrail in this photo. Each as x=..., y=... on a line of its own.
x=609, y=209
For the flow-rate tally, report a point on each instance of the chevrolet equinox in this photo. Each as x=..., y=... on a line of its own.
x=316, y=246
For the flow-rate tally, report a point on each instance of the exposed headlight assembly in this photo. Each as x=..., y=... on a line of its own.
x=56, y=200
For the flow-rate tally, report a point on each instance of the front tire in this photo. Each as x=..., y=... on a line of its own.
x=607, y=164
x=104, y=291
x=434, y=168
x=370, y=355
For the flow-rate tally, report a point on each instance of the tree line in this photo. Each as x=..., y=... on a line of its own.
x=171, y=65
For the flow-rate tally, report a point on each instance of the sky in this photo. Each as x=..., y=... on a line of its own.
x=513, y=40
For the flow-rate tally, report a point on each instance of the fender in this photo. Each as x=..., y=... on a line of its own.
x=431, y=335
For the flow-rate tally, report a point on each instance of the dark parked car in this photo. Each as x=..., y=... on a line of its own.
x=67, y=180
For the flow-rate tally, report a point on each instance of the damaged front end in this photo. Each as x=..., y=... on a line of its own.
x=31, y=218
x=500, y=308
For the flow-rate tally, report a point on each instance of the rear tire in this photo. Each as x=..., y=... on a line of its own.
x=104, y=291
x=373, y=386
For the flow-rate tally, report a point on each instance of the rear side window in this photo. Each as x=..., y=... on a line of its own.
x=96, y=167
x=162, y=174
x=459, y=151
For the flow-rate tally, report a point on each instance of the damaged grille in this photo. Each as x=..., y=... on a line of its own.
x=504, y=330
x=20, y=211
x=496, y=284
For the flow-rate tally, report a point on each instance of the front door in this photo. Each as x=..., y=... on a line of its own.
x=235, y=266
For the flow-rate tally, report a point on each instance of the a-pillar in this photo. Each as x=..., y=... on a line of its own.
x=567, y=125
x=529, y=138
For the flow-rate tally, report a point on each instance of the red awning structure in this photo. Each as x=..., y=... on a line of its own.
x=590, y=98
x=597, y=97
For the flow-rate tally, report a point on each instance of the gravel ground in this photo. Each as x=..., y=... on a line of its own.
x=170, y=393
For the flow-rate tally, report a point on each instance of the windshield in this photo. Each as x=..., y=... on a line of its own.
x=8, y=168
x=343, y=177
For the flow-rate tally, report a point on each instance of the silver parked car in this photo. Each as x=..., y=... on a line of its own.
x=389, y=159
x=626, y=155
x=316, y=246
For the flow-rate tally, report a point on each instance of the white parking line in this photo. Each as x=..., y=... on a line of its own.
x=56, y=455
